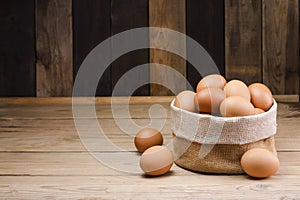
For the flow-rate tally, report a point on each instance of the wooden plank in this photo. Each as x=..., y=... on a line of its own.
x=42, y=158
x=286, y=98
x=126, y=15
x=205, y=24
x=50, y=135
x=86, y=100
x=82, y=163
x=281, y=46
x=166, y=14
x=54, y=65
x=171, y=186
x=61, y=135
x=108, y=100
x=243, y=40
x=64, y=111
x=17, y=48
x=91, y=26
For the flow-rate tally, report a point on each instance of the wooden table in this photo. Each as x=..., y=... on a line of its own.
x=42, y=157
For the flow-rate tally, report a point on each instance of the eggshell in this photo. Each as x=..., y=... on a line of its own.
x=156, y=160
x=208, y=100
x=212, y=81
x=237, y=88
x=146, y=138
x=185, y=101
x=259, y=163
x=258, y=111
x=234, y=106
x=261, y=96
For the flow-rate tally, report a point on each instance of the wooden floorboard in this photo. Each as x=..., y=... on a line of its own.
x=42, y=156
x=137, y=187
x=84, y=164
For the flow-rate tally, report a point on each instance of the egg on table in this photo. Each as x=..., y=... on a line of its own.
x=156, y=160
x=259, y=163
x=146, y=138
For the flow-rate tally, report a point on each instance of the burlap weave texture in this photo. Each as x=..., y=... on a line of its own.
x=227, y=139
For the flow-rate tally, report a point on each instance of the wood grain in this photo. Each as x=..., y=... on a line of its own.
x=41, y=157
x=17, y=48
x=126, y=15
x=54, y=65
x=52, y=135
x=243, y=58
x=107, y=100
x=281, y=46
x=83, y=164
x=64, y=111
x=86, y=100
x=171, y=186
x=91, y=26
x=166, y=14
x=205, y=24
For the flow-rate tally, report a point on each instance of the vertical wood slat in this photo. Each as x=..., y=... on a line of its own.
x=54, y=66
x=17, y=50
x=166, y=14
x=91, y=26
x=243, y=58
x=205, y=24
x=126, y=15
x=281, y=46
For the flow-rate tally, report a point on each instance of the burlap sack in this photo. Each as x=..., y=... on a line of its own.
x=216, y=144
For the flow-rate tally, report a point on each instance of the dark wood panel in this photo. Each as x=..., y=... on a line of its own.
x=243, y=40
x=17, y=50
x=281, y=46
x=54, y=65
x=292, y=75
x=205, y=24
x=127, y=15
x=91, y=26
x=166, y=14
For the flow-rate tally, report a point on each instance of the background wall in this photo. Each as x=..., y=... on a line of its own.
x=43, y=42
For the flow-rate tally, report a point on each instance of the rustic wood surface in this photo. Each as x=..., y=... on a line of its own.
x=205, y=24
x=126, y=15
x=243, y=40
x=54, y=66
x=17, y=48
x=42, y=157
x=281, y=46
x=166, y=14
x=91, y=26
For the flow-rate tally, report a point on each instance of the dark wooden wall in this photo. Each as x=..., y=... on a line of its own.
x=43, y=42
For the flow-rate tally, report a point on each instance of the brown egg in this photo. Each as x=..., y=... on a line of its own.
x=258, y=111
x=146, y=138
x=259, y=163
x=235, y=106
x=208, y=100
x=237, y=88
x=261, y=96
x=185, y=101
x=212, y=81
x=156, y=160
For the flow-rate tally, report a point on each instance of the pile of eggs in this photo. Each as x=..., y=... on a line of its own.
x=156, y=159
x=215, y=96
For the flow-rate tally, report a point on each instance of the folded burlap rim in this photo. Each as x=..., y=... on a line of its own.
x=207, y=129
